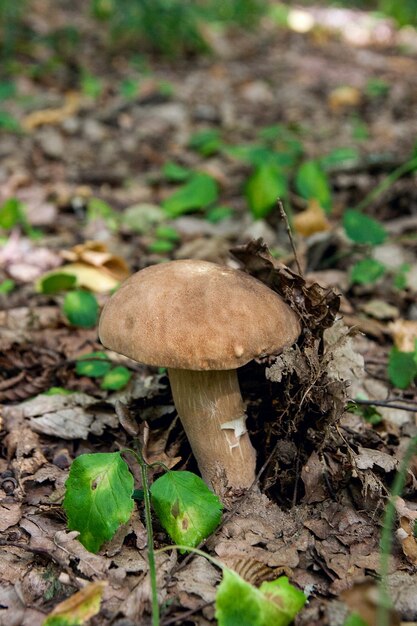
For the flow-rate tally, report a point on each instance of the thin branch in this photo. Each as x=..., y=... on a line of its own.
x=391, y=404
x=284, y=217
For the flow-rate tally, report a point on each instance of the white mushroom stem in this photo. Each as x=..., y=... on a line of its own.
x=212, y=413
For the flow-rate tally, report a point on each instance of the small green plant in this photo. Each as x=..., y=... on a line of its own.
x=99, y=497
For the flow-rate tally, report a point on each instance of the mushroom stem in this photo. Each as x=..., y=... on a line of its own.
x=212, y=413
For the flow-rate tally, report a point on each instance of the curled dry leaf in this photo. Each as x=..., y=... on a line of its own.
x=93, y=266
x=82, y=605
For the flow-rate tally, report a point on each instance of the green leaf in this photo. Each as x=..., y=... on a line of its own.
x=167, y=232
x=56, y=282
x=98, y=497
x=97, y=209
x=186, y=507
x=161, y=246
x=11, y=214
x=340, y=156
x=206, y=142
x=238, y=603
x=400, y=277
x=366, y=271
x=218, y=214
x=57, y=391
x=9, y=123
x=93, y=364
x=402, y=367
x=312, y=183
x=200, y=191
x=81, y=308
x=354, y=619
x=7, y=286
x=363, y=229
x=176, y=173
x=116, y=379
x=263, y=188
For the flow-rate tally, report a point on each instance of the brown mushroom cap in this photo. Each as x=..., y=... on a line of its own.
x=196, y=315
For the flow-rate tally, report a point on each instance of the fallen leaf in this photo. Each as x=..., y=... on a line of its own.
x=344, y=97
x=368, y=458
x=80, y=606
x=312, y=220
x=53, y=116
x=404, y=333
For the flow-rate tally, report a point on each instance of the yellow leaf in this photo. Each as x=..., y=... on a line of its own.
x=96, y=279
x=82, y=605
x=312, y=220
x=53, y=116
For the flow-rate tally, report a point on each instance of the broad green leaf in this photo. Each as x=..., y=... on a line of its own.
x=400, y=277
x=363, y=229
x=176, y=173
x=402, y=367
x=263, y=188
x=116, y=379
x=312, y=183
x=366, y=271
x=56, y=282
x=93, y=364
x=78, y=608
x=200, y=191
x=81, y=308
x=238, y=603
x=186, y=507
x=98, y=497
x=206, y=142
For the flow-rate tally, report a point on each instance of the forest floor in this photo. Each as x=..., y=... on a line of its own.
x=327, y=472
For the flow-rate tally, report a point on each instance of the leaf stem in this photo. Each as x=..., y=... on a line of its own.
x=384, y=604
x=149, y=532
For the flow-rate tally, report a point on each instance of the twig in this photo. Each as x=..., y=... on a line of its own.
x=391, y=404
x=284, y=217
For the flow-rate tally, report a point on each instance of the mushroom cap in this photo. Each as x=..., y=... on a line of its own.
x=196, y=315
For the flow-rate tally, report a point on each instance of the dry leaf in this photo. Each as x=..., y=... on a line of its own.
x=95, y=253
x=82, y=605
x=344, y=97
x=52, y=116
x=312, y=220
x=404, y=334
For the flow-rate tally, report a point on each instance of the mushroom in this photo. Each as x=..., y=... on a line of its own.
x=202, y=321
